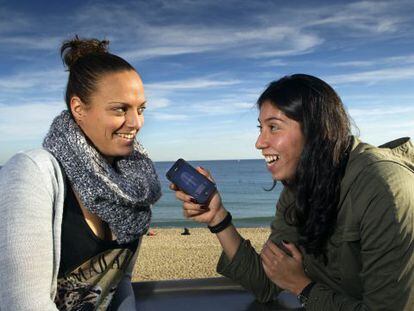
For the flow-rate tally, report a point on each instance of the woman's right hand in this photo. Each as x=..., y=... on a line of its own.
x=210, y=214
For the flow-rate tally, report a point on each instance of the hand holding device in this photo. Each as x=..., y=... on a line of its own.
x=193, y=183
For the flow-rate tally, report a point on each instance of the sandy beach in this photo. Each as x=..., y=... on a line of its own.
x=169, y=255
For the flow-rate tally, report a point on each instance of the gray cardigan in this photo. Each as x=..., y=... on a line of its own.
x=32, y=193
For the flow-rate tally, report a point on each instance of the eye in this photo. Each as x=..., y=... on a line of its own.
x=260, y=128
x=273, y=127
x=119, y=110
x=141, y=110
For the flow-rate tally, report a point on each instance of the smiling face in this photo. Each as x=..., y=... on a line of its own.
x=281, y=142
x=114, y=113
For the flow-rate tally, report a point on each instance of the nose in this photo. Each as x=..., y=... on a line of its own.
x=261, y=141
x=134, y=120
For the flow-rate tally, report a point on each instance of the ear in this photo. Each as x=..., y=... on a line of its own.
x=77, y=108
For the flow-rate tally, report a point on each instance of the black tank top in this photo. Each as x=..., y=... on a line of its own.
x=78, y=242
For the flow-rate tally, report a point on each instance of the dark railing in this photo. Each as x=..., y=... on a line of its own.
x=212, y=294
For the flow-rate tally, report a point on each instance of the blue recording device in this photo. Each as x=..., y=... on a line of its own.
x=189, y=180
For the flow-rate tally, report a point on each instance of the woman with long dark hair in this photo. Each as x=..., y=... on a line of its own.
x=343, y=234
x=75, y=210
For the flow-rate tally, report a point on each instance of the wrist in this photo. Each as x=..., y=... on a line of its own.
x=304, y=295
x=221, y=226
x=218, y=217
x=301, y=286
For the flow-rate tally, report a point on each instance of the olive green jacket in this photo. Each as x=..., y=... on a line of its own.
x=370, y=255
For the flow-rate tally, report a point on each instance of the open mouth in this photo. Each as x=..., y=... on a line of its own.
x=126, y=136
x=270, y=159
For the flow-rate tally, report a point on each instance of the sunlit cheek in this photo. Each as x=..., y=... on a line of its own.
x=109, y=134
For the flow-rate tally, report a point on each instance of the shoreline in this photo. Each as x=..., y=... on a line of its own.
x=248, y=222
x=168, y=255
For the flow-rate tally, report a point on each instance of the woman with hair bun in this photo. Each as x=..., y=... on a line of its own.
x=76, y=209
x=343, y=234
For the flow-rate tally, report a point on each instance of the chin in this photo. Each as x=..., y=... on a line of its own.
x=277, y=177
x=122, y=154
x=126, y=153
x=119, y=153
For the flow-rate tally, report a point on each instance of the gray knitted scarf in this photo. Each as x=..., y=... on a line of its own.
x=120, y=195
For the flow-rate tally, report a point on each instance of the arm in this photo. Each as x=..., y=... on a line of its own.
x=211, y=215
x=239, y=260
x=27, y=255
x=229, y=238
x=246, y=266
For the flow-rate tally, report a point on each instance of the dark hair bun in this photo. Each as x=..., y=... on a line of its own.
x=76, y=48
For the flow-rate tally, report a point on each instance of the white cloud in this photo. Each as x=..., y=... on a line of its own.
x=391, y=61
x=303, y=42
x=384, y=111
x=31, y=42
x=373, y=76
x=257, y=41
x=157, y=28
x=244, y=105
x=273, y=31
x=356, y=63
x=156, y=102
x=170, y=117
x=36, y=79
x=222, y=107
x=189, y=84
x=381, y=123
x=23, y=32
x=27, y=121
x=275, y=63
x=361, y=18
x=153, y=52
x=376, y=99
x=11, y=21
x=158, y=33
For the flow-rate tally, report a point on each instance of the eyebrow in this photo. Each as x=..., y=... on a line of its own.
x=123, y=103
x=271, y=119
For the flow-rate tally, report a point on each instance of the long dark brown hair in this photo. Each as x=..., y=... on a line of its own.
x=326, y=129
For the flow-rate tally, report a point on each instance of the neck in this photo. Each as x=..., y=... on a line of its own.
x=110, y=160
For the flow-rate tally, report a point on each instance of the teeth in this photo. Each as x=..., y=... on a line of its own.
x=126, y=136
x=271, y=158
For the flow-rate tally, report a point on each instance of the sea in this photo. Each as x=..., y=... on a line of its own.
x=242, y=185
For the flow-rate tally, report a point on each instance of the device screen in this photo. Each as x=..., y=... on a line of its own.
x=188, y=179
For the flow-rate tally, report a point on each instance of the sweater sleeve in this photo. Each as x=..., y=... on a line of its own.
x=26, y=257
x=387, y=244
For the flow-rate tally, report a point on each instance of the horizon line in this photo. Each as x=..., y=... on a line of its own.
x=191, y=160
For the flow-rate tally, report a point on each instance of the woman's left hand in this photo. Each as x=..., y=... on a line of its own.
x=282, y=269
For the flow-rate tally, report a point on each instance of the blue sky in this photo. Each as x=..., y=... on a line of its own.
x=204, y=63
